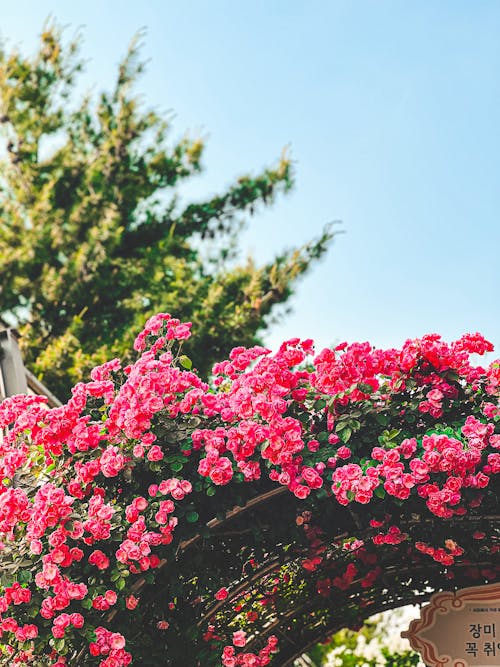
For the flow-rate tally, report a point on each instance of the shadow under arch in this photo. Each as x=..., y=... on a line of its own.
x=285, y=561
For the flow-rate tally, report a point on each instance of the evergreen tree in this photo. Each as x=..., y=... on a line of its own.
x=92, y=237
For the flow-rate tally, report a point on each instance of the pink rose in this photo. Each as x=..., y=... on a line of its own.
x=344, y=452
x=131, y=602
x=221, y=594
x=155, y=453
x=239, y=638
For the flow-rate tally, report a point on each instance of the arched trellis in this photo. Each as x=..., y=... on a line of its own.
x=300, y=621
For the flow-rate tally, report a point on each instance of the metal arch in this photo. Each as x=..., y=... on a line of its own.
x=335, y=627
x=295, y=649
x=233, y=514
x=225, y=537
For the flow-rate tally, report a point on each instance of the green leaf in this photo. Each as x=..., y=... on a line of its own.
x=25, y=576
x=176, y=466
x=387, y=437
x=345, y=434
x=192, y=516
x=59, y=645
x=381, y=418
x=185, y=362
x=120, y=584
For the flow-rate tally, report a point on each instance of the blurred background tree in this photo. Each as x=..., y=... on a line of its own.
x=93, y=237
x=378, y=643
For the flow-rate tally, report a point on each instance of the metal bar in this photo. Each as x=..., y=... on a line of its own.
x=11, y=365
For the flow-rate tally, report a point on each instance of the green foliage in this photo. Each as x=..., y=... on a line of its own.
x=371, y=646
x=93, y=238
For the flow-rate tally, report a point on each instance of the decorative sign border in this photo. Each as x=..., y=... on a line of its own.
x=439, y=604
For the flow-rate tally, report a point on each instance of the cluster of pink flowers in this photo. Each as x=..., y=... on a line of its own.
x=174, y=330
x=446, y=555
x=61, y=622
x=230, y=658
x=400, y=469
x=287, y=416
x=110, y=644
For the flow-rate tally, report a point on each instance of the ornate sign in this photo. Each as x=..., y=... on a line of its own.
x=459, y=629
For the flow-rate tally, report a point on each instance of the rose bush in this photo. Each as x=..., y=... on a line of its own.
x=159, y=519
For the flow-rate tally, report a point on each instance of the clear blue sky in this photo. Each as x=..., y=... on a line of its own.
x=391, y=110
